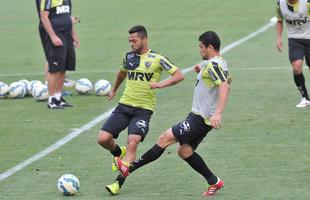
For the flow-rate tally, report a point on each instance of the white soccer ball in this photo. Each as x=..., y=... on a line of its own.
x=83, y=86
x=4, y=90
x=102, y=87
x=17, y=90
x=26, y=84
x=40, y=92
x=68, y=184
x=33, y=84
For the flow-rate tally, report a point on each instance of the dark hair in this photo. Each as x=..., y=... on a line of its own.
x=210, y=38
x=138, y=29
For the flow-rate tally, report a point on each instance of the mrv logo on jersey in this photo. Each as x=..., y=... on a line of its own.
x=140, y=75
x=62, y=9
x=297, y=21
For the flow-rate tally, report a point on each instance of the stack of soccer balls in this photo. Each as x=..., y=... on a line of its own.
x=22, y=88
x=39, y=91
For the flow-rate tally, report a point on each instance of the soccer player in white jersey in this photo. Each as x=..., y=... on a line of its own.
x=296, y=13
x=210, y=96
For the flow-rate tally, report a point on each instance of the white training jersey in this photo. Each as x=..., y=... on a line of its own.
x=296, y=17
x=206, y=93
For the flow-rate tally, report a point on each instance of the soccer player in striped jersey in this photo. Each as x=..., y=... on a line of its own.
x=296, y=13
x=210, y=96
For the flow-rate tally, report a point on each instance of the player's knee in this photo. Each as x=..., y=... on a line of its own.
x=297, y=66
x=162, y=141
x=103, y=138
x=185, y=152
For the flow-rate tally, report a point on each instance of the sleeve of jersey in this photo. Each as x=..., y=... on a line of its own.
x=167, y=65
x=46, y=5
x=123, y=65
x=215, y=73
x=278, y=12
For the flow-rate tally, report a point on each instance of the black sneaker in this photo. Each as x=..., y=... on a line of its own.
x=63, y=103
x=54, y=104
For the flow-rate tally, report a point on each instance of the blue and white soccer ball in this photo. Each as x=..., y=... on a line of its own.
x=102, y=87
x=26, y=84
x=17, y=90
x=83, y=86
x=40, y=93
x=33, y=84
x=4, y=90
x=68, y=184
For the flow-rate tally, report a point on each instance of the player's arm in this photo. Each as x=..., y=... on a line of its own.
x=175, y=78
x=121, y=75
x=224, y=89
x=279, y=29
x=75, y=38
x=49, y=29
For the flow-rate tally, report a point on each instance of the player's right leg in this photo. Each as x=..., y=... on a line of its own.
x=110, y=130
x=52, y=84
x=56, y=65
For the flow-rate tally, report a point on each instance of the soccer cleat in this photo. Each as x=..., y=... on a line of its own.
x=64, y=103
x=114, y=188
x=114, y=165
x=303, y=103
x=54, y=104
x=122, y=166
x=213, y=188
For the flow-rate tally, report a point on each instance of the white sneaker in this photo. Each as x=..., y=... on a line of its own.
x=303, y=103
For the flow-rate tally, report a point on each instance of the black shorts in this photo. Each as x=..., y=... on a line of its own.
x=43, y=37
x=299, y=49
x=191, y=131
x=61, y=59
x=136, y=119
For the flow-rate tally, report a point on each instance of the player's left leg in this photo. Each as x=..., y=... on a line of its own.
x=190, y=133
x=297, y=52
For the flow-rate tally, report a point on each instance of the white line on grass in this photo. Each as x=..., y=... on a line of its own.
x=41, y=73
x=103, y=116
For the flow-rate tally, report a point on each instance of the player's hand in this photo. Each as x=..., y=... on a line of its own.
x=216, y=120
x=111, y=95
x=279, y=45
x=56, y=41
x=197, y=68
x=155, y=85
x=75, y=19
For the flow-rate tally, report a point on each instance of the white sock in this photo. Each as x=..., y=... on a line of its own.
x=57, y=96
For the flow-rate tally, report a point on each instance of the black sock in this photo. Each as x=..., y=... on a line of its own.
x=121, y=179
x=149, y=156
x=197, y=163
x=299, y=80
x=116, y=152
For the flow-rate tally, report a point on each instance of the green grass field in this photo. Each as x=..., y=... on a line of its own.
x=261, y=152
